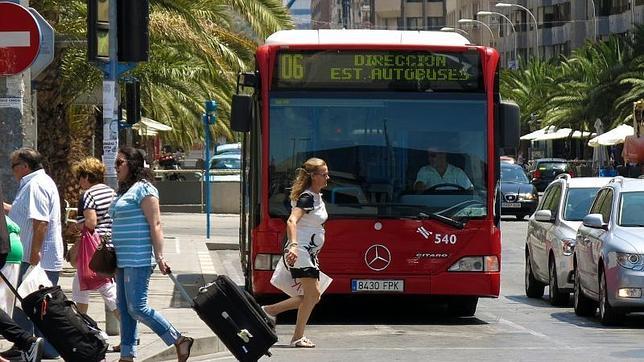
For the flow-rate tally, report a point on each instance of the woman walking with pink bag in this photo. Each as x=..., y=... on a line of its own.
x=92, y=218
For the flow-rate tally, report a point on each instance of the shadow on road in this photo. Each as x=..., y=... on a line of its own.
x=631, y=321
x=543, y=302
x=356, y=310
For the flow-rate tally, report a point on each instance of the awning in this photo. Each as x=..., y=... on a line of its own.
x=532, y=135
x=563, y=133
x=150, y=127
x=612, y=137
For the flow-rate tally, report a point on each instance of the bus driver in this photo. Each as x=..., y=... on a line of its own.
x=440, y=172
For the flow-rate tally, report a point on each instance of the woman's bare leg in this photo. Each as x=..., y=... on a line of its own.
x=283, y=306
x=310, y=298
x=82, y=307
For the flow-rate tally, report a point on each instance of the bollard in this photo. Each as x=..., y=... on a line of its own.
x=111, y=323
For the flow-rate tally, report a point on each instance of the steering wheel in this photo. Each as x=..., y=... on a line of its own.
x=440, y=186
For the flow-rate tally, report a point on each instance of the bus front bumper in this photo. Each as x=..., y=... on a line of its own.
x=482, y=284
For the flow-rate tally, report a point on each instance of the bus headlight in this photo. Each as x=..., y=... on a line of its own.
x=267, y=261
x=488, y=263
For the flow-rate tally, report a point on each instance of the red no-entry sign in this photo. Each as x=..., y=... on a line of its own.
x=19, y=38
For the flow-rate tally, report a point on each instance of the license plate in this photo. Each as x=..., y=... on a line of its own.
x=376, y=285
x=511, y=205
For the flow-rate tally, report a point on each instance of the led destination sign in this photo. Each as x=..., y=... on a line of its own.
x=378, y=70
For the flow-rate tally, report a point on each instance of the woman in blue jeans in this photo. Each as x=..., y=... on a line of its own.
x=138, y=241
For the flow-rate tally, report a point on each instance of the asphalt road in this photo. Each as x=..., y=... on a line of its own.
x=511, y=327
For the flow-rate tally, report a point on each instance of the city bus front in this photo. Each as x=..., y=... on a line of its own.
x=411, y=160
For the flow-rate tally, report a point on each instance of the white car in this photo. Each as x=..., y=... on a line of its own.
x=552, y=230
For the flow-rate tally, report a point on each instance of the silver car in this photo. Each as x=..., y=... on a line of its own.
x=551, y=236
x=609, y=253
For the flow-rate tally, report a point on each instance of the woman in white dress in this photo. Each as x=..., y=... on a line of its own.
x=305, y=232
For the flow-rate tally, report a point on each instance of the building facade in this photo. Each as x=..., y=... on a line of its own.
x=300, y=10
x=550, y=28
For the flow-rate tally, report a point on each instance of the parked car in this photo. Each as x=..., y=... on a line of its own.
x=507, y=159
x=546, y=169
x=227, y=161
x=228, y=148
x=552, y=230
x=518, y=196
x=609, y=253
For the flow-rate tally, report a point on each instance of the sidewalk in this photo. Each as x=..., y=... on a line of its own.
x=186, y=252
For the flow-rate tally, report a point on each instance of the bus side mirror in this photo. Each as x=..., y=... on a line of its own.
x=241, y=113
x=510, y=122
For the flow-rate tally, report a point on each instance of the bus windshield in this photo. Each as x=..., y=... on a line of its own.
x=390, y=155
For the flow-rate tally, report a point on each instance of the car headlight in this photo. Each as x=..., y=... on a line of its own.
x=567, y=246
x=630, y=261
x=527, y=197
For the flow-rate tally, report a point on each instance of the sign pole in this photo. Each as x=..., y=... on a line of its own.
x=209, y=118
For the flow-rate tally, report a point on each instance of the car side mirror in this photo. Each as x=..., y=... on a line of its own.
x=595, y=221
x=544, y=215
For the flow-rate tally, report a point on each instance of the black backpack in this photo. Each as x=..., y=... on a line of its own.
x=75, y=335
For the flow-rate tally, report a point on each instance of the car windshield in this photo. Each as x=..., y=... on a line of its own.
x=377, y=147
x=552, y=166
x=630, y=213
x=225, y=163
x=513, y=175
x=578, y=202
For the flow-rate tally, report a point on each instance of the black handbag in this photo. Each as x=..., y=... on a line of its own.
x=104, y=260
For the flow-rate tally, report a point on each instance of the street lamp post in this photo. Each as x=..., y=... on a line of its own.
x=594, y=17
x=514, y=31
x=456, y=30
x=536, y=24
x=465, y=21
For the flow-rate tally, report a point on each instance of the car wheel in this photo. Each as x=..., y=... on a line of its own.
x=557, y=298
x=520, y=217
x=462, y=306
x=533, y=287
x=607, y=314
x=584, y=306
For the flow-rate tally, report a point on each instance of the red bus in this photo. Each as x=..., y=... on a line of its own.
x=379, y=107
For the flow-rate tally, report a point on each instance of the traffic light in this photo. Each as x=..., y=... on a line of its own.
x=133, y=34
x=133, y=101
x=98, y=30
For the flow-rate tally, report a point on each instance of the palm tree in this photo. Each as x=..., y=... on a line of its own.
x=195, y=54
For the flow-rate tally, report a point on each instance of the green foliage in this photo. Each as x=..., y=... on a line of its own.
x=195, y=54
x=600, y=80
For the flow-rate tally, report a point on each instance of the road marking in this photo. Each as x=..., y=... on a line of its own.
x=514, y=325
x=205, y=262
x=177, y=247
x=11, y=39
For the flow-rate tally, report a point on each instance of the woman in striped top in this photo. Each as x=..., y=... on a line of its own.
x=92, y=214
x=138, y=241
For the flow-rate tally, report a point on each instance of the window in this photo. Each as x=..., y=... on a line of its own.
x=595, y=208
x=578, y=202
x=414, y=23
x=607, y=206
x=555, y=15
x=630, y=214
x=435, y=22
x=553, y=203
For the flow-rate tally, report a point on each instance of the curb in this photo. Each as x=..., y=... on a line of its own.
x=202, y=346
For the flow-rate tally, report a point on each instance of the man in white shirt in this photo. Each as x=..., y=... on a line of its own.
x=36, y=209
x=438, y=172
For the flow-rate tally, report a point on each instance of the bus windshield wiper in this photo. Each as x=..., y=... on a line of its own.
x=442, y=218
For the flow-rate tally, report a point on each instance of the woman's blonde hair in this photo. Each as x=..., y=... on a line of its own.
x=90, y=167
x=303, y=178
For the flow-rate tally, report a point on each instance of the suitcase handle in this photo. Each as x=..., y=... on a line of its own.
x=182, y=290
x=244, y=334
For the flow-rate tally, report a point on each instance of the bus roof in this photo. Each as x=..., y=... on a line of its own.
x=366, y=36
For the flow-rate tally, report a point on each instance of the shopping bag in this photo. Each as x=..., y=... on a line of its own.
x=88, y=279
x=34, y=279
x=283, y=280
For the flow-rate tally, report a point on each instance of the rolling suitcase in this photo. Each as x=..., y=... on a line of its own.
x=75, y=335
x=234, y=316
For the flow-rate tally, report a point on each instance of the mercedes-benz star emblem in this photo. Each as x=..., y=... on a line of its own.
x=377, y=257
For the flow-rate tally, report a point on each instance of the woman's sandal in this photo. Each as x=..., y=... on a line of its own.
x=302, y=343
x=183, y=346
